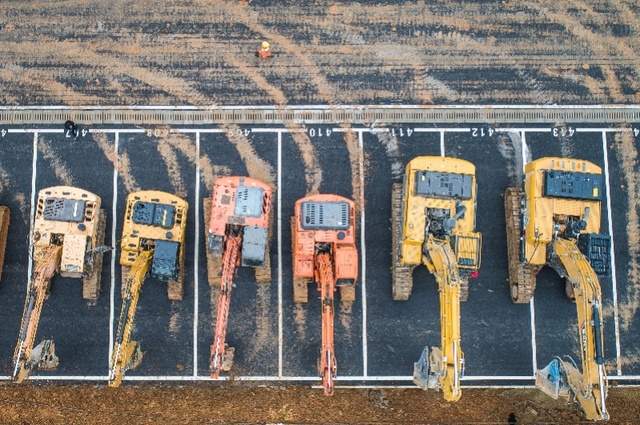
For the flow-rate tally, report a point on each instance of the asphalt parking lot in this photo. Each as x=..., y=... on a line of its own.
x=377, y=340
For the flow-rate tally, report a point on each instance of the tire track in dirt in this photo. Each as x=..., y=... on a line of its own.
x=257, y=167
x=208, y=170
x=56, y=163
x=313, y=172
x=170, y=160
x=250, y=19
x=627, y=155
x=122, y=161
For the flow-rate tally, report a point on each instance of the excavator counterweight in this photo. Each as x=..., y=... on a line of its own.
x=433, y=221
x=554, y=220
x=238, y=218
x=324, y=251
x=68, y=238
x=153, y=238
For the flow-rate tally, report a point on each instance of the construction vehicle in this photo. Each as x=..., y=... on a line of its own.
x=433, y=223
x=554, y=220
x=238, y=216
x=5, y=217
x=324, y=251
x=153, y=242
x=68, y=238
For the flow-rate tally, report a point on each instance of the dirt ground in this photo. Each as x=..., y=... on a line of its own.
x=145, y=404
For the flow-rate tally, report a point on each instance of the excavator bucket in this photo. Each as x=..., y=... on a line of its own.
x=552, y=380
x=427, y=371
x=44, y=355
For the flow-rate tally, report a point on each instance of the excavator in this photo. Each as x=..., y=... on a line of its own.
x=68, y=239
x=153, y=238
x=237, y=230
x=5, y=217
x=433, y=222
x=554, y=220
x=324, y=250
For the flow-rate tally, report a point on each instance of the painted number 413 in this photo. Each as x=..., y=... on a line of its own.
x=563, y=131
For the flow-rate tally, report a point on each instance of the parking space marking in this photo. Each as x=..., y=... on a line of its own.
x=532, y=309
x=32, y=213
x=612, y=255
x=438, y=129
x=280, y=314
x=114, y=221
x=196, y=256
x=363, y=258
x=442, y=143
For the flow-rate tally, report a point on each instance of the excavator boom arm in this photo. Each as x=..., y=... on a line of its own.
x=588, y=387
x=443, y=367
x=123, y=347
x=326, y=281
x=230, y=258
x=46, y=265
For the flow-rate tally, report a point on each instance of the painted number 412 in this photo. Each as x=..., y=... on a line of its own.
x=482, y=131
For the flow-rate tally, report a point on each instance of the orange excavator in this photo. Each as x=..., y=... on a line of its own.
x=238, y=217
x=324, y=251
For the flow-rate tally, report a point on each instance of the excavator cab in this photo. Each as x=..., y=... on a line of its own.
x=4, y=233
x=324, y=251
x=554, y=220
x=156, y=222
x=68, y=238
x=433, y=223
x=153, y=238
x=238, y=218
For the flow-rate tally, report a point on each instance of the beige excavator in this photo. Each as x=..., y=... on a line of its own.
x=554, y=220
x=68, y=239
x=153, y=237
x=433, y=222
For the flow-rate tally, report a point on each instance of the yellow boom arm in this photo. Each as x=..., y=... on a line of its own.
x=126, y=353
x=441, y=368
x=26, y=357
x=561, y=377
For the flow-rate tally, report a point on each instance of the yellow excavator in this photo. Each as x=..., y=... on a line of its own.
x=152, y=243
x=554, y=220
x=68, y=238
x=433, y=223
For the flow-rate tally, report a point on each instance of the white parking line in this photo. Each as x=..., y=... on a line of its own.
x=442, y=143
x=196, y=256
x=363, y=258
x=32, y=213
x=438, y=129
x=532, y=308
x=613, y=253
x=279, y=195
x=523, y=129
x=114, y=221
